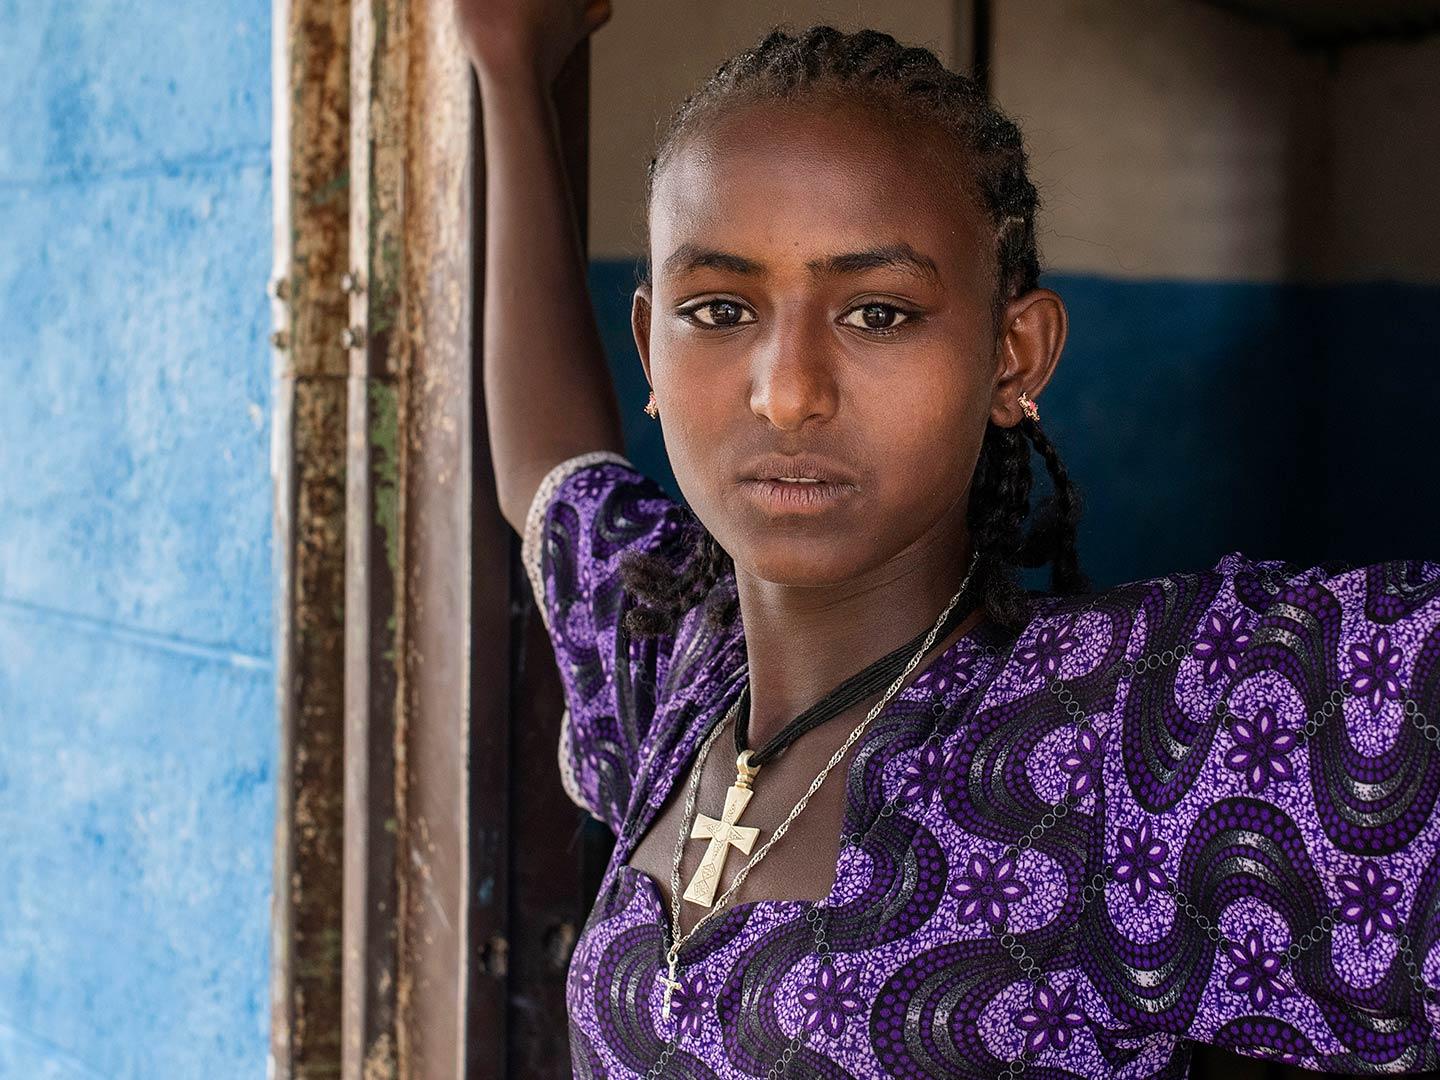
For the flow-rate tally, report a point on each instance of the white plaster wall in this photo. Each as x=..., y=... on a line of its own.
x=1169, y=139
x=1386, y=117
x=652, y=53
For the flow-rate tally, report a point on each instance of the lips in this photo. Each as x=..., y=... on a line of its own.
x=795, y=497
x=798, y=467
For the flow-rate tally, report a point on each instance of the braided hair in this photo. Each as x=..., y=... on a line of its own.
x=871, y=67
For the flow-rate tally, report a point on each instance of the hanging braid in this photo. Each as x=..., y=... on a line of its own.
x=871, y=67
x=666, y=594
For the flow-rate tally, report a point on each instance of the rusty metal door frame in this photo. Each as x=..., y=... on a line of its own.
x=414, y=680
x=310, y=165
x=411, y=525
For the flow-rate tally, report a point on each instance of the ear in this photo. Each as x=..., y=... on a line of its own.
x=640, y=326
x=1032, y=335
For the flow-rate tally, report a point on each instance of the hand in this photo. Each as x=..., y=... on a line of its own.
x=527, y=35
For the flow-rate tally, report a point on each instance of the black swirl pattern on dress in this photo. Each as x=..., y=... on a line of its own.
x=1096, y=689
x=902, y=727
x=714, y=936
x=1163, y=747
x=698, y=649
x=1076, y=844
x=988, y=791
x=1383, y=1025
x=689, y=719
x=1266, y=1033
x=561, y=539
x=908, y=875
x=634, y=666
x=577, y=645
x=625, y=977
x=1257, y=586
x=585, y=1063
x=621, y=985
x=927, y=995
x=926, y=1019
x=1396, y=589
x=1372, y=805
x=1177, y=1065
x=1425, y=675
x=1367, y=804
x=1423, y=930
x=746, y=1002
x=1120, y=1046
x=630, y=514
x=1153, y=984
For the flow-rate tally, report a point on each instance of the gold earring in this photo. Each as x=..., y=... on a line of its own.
x=652, y=409
x=1028, y=407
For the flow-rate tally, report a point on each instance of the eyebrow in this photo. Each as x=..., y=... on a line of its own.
x=901, y=256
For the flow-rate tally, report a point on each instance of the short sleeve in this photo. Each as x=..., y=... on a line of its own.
x=1299, y=862
x=589, y=512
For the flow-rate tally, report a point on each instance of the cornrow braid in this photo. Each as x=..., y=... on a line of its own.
x=873, y=68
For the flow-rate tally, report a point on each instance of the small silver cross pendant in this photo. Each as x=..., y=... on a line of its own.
x=671, y=984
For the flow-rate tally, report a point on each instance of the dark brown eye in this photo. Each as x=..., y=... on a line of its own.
x=878, y=317
x=725, y=312
x=721, y=313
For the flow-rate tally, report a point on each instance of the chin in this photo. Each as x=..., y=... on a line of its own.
x=791, y=558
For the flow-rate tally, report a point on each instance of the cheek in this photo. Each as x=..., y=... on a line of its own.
x=696, y=412
x=921, y=417
x=921, y=475
x=927, y=441
x=698, y=433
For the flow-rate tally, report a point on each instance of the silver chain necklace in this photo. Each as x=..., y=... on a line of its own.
x=672, y=954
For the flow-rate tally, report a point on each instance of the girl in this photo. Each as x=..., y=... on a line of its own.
x=880, y=811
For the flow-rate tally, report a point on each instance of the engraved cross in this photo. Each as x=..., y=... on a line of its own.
x=723, y=834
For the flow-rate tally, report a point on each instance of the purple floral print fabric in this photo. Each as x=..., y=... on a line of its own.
x=1195, y=808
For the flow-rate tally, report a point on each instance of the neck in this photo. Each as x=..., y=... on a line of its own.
x=803, y=641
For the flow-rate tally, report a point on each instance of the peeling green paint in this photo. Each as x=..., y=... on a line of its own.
x=385, y=467
x=336, y=190
x=384, y=298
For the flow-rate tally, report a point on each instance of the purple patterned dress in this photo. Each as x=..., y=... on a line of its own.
x=1194, y=808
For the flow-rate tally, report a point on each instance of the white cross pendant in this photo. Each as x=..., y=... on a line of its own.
x=723, y=834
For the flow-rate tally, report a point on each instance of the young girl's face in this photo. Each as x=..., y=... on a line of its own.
x=821, y=286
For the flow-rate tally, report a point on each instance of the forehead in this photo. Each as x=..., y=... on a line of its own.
x=785, y=182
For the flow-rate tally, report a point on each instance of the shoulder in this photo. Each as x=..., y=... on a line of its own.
x=1206, y=618
x=1246, y=579
x=1238, y=587
x=588, y=511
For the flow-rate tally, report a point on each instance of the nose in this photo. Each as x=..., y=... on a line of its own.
x=793, y=380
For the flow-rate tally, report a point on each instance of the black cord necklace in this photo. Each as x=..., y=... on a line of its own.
x=725, y=832
x=875, y=677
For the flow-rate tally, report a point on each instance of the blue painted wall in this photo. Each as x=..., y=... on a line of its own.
x=137, y=730
x=1282, y=420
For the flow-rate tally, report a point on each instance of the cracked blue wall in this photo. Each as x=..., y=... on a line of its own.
x=137, y=731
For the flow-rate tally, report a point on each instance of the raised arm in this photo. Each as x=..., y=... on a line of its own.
x=548, y=392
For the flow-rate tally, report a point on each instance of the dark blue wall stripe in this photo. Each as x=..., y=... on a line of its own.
x=1282, y=420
